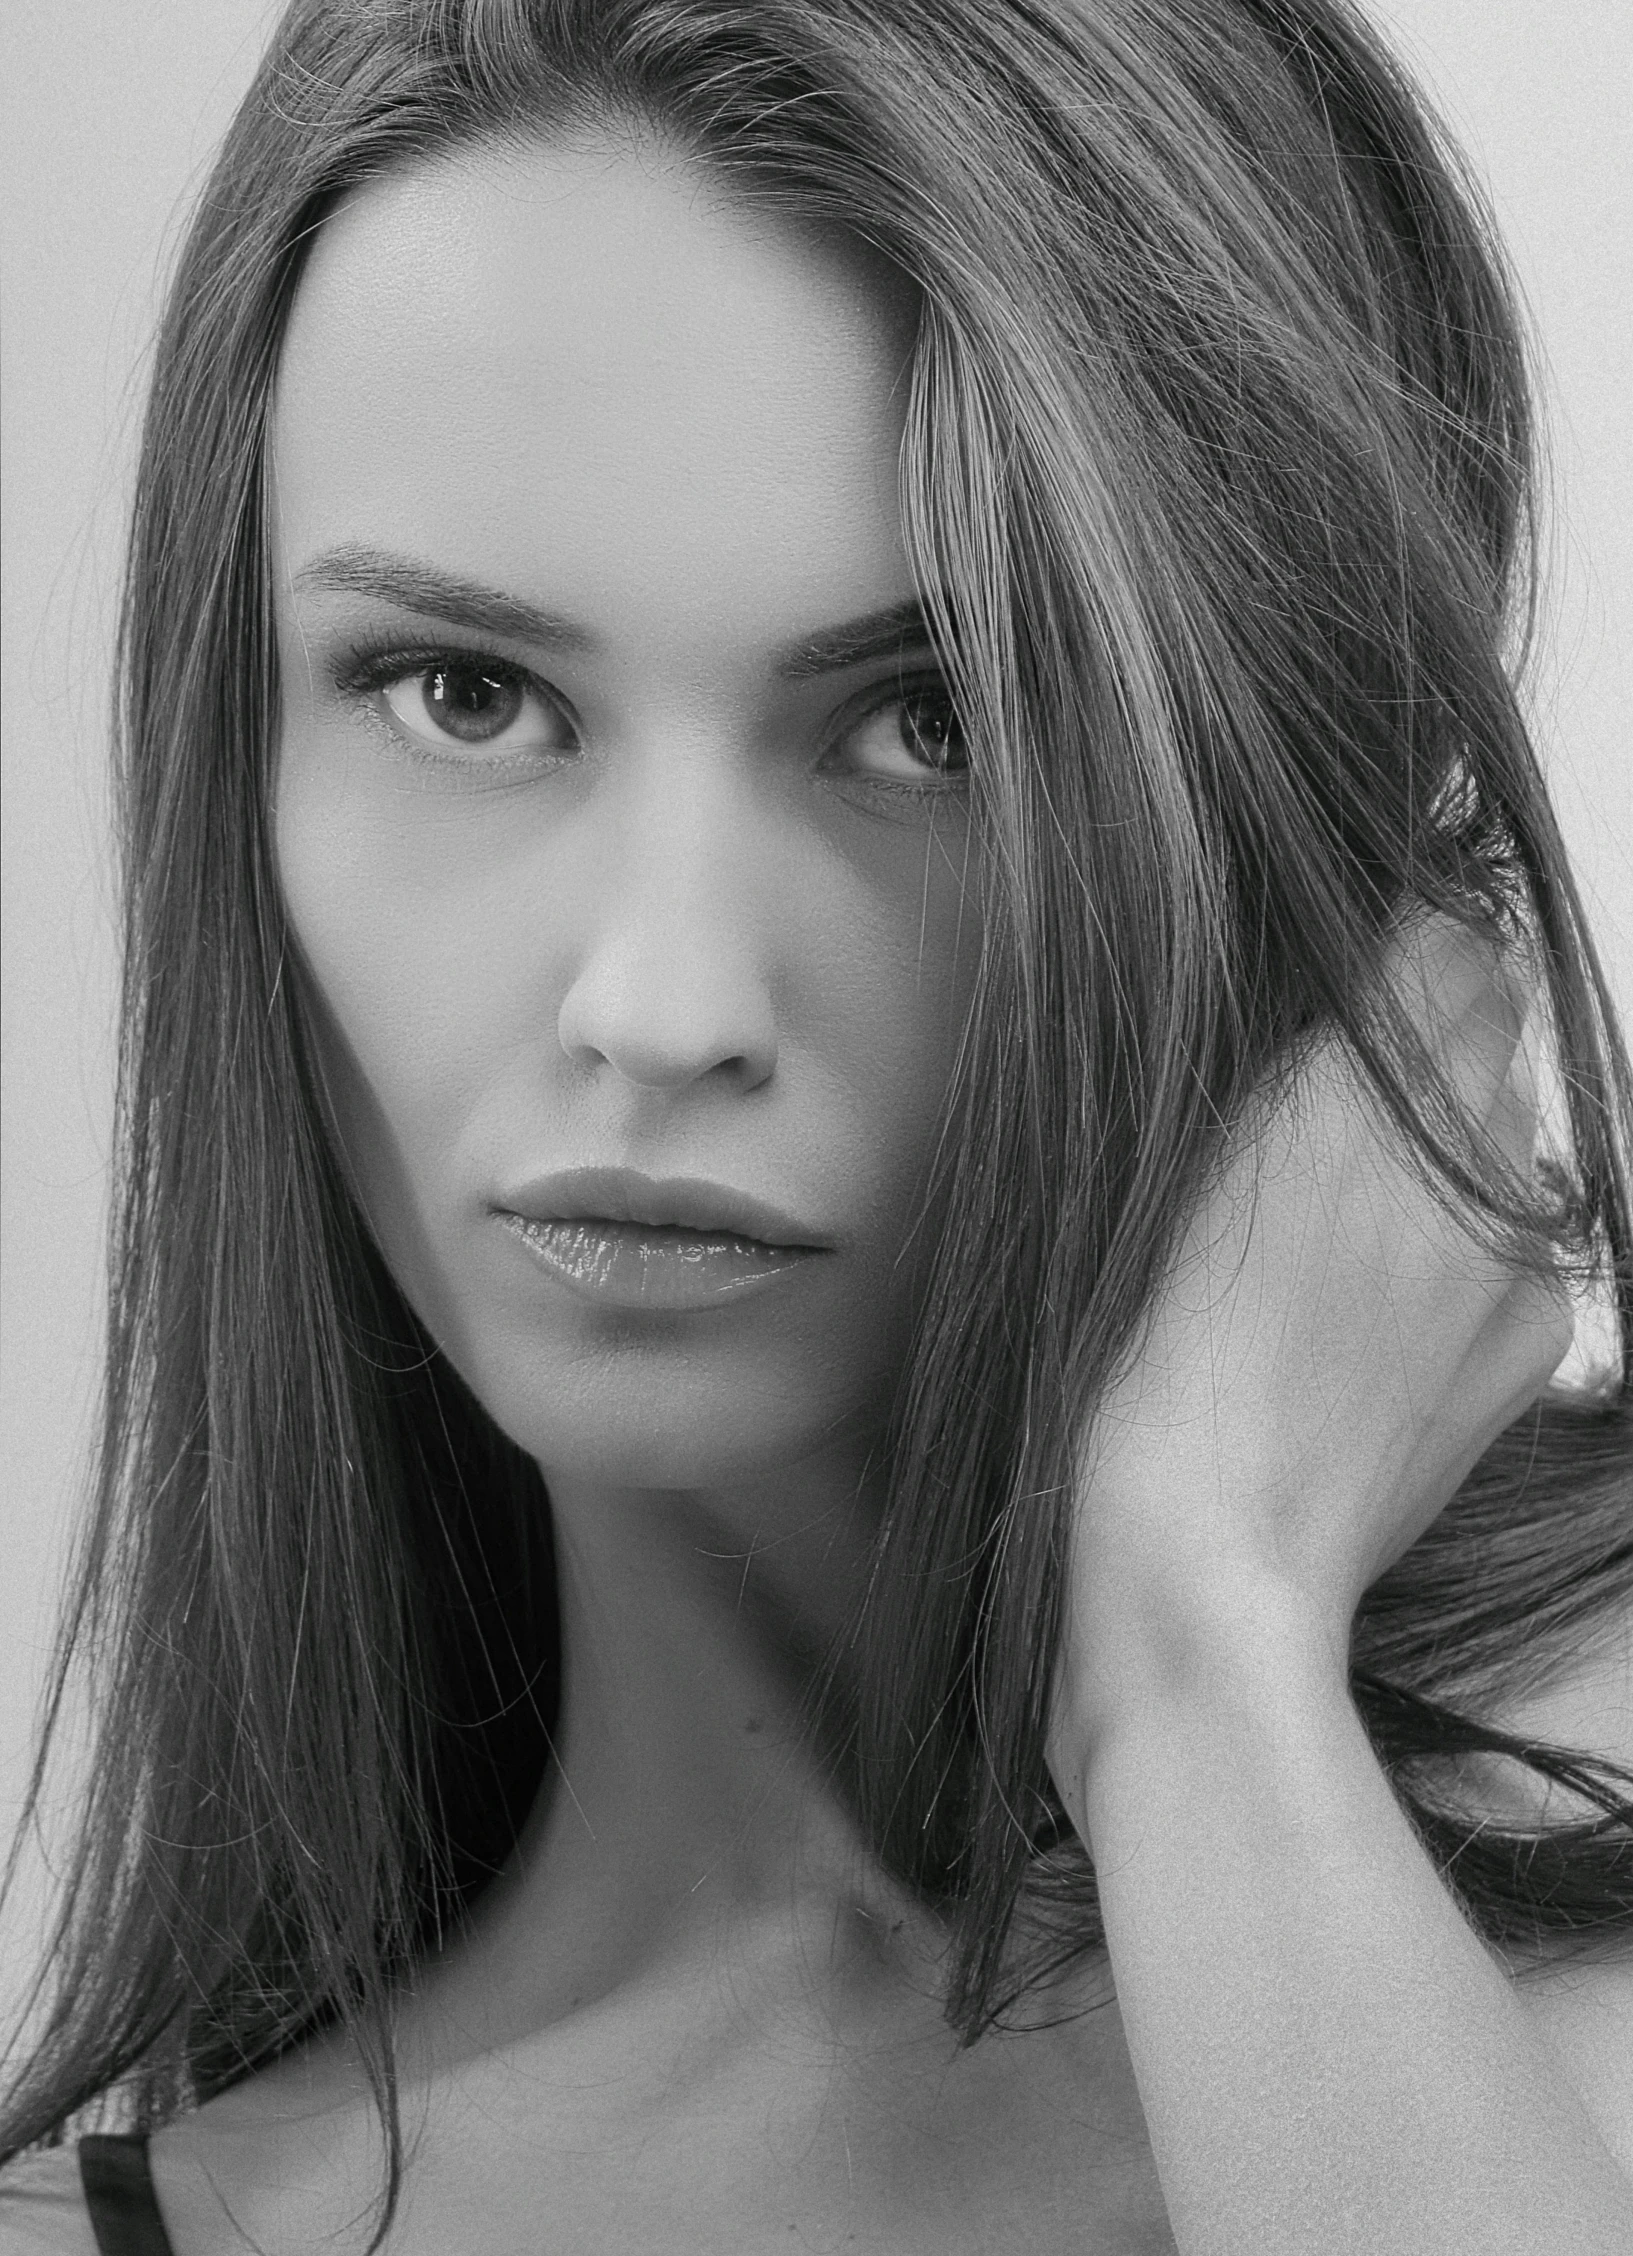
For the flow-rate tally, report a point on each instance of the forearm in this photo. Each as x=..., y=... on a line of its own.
x=1328, y=2058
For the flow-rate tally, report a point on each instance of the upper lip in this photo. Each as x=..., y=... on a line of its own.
x=623, y=1194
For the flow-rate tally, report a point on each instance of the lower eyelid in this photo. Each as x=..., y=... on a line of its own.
x=928, y=687
x=544, y=706
x=364, y=677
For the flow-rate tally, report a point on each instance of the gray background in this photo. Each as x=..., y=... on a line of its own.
x=111, y=110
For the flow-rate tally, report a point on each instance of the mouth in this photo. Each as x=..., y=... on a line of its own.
x=620, y=1239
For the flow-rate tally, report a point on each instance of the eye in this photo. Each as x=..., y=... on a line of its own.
x=913, y=737
x=477, y=701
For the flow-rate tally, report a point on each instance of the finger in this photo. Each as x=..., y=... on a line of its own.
x=1468, y=1003
x=1523, y=1343
x=1505, y=1371
x=1515, y=1122
x=1481, y=1010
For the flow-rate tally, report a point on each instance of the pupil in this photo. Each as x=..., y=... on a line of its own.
x=472, y=703
x=933, y=727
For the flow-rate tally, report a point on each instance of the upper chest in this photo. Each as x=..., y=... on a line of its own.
x=642, y=2126
x=638, y=2136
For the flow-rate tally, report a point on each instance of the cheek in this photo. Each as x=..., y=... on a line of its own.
x=392, y=991
x=436, y=960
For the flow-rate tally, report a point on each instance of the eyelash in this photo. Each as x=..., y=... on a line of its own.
x=371, y=666
x=368, y=667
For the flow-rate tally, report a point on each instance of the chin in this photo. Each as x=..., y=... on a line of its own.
x=658, y=1420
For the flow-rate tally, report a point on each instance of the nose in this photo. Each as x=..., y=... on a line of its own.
x=671, y=984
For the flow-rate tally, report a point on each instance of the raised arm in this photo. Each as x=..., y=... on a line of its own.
x=1329, y=2058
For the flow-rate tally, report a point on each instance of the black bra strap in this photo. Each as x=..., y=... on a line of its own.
x=119, y=2194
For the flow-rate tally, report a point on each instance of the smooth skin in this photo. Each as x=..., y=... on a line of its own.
x=698, y=913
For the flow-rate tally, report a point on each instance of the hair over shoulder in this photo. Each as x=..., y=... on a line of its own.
x=1218, y=484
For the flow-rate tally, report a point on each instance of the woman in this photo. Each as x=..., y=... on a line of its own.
x=830, y=1504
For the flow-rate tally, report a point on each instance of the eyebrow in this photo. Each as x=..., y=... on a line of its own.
x=412, y=586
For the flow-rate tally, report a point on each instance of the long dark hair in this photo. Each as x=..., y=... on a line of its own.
x=1217, y=481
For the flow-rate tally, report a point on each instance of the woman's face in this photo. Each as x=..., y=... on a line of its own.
x=617, y=828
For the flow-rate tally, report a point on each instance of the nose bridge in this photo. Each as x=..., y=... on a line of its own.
x=673, y=979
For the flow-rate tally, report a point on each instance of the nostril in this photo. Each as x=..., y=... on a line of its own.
x=664, y=1034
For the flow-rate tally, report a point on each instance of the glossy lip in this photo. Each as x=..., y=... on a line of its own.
x=615, y=1238
x=685, y=1202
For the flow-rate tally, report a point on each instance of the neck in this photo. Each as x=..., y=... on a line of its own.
x=687, y=1798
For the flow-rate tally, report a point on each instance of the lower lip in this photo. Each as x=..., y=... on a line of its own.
x=632, y=1265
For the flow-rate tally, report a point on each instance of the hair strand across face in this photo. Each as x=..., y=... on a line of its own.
x=1217, y=484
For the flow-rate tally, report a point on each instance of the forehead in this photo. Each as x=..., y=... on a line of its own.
x=510, y=359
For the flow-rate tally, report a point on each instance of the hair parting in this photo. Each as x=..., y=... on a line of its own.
x=1218, y=487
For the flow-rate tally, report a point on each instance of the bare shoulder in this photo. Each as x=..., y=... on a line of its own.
x=42, y=2209
x=287, y=2159
x=1583, y=2007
